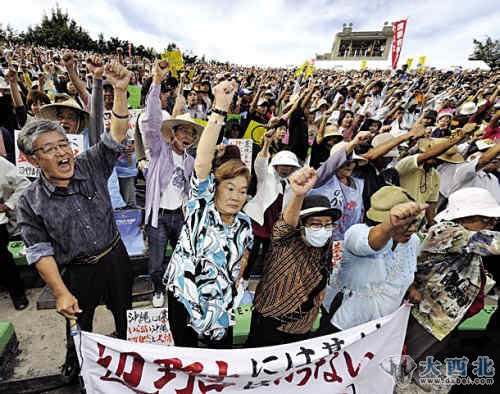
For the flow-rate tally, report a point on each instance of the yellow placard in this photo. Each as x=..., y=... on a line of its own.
x=175, y=62
x=421, y=64
x=309, y=70
x=301, y=69
x=409, y=63
x=255, y=131
x=363, y=65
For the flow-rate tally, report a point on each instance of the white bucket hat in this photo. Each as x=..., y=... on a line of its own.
x=468, y=108
x=285, y=158
x=480, y=202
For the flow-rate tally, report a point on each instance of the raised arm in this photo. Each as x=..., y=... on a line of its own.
x=96, y=67
x=69, y=62
x=14, y=89
x=119, y=77
x=180, y=101
x=401, y=216
x=152, y=119
x=443, y=147
x=488, y=156
x=224, y=93
x=321, y=132
x=417, y=131
x=301, y=182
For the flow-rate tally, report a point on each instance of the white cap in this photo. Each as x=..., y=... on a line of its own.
x=285, y=158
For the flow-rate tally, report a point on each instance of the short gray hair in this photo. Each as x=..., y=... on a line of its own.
x=29, y=133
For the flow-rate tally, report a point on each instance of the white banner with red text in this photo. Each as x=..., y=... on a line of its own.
x=345, y=362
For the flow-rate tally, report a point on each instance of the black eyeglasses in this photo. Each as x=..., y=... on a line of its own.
x=51, y=149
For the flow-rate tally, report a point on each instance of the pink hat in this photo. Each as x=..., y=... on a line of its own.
x=445, y=112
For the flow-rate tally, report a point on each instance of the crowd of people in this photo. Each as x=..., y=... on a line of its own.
x=400, y=168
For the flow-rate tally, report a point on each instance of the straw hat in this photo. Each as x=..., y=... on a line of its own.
x=49, y=111
x=319, y=104
x=332, y=131
x=382, y=201
x=479, y=202
x=293, y=99
x=381, y=139
x=184, y=119
x=452, y=155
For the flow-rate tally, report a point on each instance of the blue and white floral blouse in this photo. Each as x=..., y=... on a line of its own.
x=206, y=261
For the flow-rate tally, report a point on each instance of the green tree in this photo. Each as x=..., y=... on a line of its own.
x=487, y=51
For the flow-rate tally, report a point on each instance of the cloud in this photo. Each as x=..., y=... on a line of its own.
x=275, y=32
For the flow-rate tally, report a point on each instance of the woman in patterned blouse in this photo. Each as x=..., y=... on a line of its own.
x=211, y=254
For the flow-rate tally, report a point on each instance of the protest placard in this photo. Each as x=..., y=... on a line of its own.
x=345, y=362
x=255, y=131
x=175, y=61
x=421, y=64
x=245, y=146
x=149, y=325
x=24, y=168
x=134, y=98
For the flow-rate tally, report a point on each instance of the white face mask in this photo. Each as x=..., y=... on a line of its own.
x=317, y=238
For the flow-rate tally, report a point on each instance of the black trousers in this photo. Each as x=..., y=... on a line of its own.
x=264, y=332
x=111, y=280
x=184, y=335
x=9, y=274
x=254, y=254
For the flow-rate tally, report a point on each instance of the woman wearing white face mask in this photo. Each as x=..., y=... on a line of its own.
x=295, y=274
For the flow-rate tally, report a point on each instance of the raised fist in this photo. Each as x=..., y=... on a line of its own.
x=303, y=180
x=403, y=215
x=68, y=60
x=224, y=93
x=160, y=70
x=117, y=75
x=95, y=66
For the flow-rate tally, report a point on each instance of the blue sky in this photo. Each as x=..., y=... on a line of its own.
x=275, y=32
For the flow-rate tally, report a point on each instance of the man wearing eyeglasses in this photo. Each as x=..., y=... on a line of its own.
x=66, y=220
x=296, y=270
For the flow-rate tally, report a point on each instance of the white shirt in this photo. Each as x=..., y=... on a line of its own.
x=459, y=176
x=171, y=197
x=11, y=187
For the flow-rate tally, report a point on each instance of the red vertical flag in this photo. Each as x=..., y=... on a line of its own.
x=398, y=33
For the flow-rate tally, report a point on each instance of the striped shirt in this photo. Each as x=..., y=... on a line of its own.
x=294, y=280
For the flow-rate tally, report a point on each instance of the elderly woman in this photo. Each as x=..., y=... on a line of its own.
x=379, y=260
x=450, y=276
x=214, y=243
